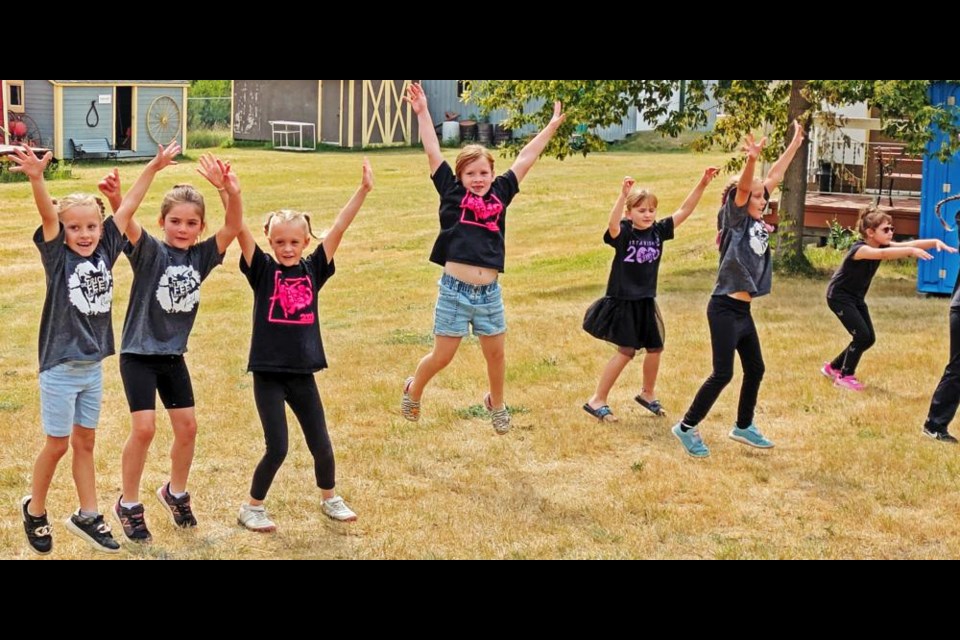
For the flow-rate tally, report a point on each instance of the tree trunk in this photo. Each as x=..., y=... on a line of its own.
x=793, y=198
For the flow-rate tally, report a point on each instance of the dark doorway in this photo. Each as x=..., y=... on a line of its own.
x=124, y=120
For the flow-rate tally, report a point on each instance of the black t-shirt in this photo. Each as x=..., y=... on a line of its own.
x=76, y=321
x=852, y=280
x=286, y=328
x=472, y=229
x=636, y=265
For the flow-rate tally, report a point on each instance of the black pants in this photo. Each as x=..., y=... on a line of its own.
x=731, y=331
x=271, y=391
x=855, y=317
x=946, y=398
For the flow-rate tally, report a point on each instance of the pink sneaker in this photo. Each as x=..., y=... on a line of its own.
x=829, y=372
x=848, y=382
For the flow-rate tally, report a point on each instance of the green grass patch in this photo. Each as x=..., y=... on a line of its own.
x=653, y=142
x=210, y=138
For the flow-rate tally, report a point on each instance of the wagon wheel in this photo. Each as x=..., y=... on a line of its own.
x=23, y=129
x=163, y=120
x=32, y=137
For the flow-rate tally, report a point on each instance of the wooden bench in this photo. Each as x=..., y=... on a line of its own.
x=84, y=148
x=894, y=163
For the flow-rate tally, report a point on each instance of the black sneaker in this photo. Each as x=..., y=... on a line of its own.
x=178, y=508
x=132, y=522
x=38, y=529
x=94, y=530
x=941, y=436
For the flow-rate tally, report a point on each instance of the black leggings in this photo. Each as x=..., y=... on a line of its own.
x=299, y=390
x=731, y=331
x=856, y=320
x=946, y=398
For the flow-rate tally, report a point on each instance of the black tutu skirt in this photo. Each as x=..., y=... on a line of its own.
x=626, y=323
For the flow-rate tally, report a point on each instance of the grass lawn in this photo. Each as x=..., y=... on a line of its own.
x=851, y=476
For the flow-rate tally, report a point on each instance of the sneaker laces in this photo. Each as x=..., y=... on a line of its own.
x=337, y=506
x=137, y=522
x=257, y=517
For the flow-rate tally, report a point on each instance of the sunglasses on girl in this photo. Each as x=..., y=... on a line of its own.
x=887, y=229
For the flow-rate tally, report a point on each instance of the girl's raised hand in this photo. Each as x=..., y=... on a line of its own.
x=165, y=156
x=214, y=170
x=752, y=148
x=416, y=97
x=366, y=183
x=558, y=115
x=110, y=186
x=627, y=185
x=709, y=174
x=231, y=184
x=28, y=163
x=798, y=134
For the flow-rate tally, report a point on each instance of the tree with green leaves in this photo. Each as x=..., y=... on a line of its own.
x=213, y=105
x=904, y=106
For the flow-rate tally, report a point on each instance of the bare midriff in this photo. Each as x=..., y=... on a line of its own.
x=470, y=274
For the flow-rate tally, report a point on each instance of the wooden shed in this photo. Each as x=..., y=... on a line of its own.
x=133, y=116
x=344, y=113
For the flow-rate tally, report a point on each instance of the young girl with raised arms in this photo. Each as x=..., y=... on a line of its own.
x=286, y=348
x=471, y=250
x=628, y=316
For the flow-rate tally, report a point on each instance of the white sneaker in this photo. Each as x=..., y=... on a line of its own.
x=255, y=519
x=337, y=509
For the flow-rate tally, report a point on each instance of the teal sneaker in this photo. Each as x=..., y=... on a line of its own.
x=750, y=436
x=691, y=441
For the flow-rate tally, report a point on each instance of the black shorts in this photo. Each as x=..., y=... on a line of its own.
x=145, y=376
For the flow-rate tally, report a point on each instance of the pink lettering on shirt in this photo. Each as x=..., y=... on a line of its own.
x=291, y=300
x=476, y=211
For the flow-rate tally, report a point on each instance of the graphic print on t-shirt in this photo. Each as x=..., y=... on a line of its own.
x=475, y=211
x=179, y=289
x=91, y=288
x=642, y=251
x=291, y=300
x=759, y=238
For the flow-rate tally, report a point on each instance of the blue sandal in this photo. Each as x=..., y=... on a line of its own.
x=603, y=414
x=653, y=407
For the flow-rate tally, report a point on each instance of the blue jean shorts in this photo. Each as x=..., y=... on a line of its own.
x=71, y=393
x=460, y=305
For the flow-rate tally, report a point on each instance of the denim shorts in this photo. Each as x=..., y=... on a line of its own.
x=71, y=393
x=460, y=304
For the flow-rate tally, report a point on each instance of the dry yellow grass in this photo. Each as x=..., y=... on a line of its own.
x=850, y=477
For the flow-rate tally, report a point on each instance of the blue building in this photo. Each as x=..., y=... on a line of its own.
x=134, y=116
x=940, y=180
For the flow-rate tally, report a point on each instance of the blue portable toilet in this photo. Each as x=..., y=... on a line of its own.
x=940, y=180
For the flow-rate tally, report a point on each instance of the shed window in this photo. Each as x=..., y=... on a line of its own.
x=15, y=101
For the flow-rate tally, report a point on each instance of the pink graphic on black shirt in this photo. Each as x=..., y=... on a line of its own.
x=291, y=300
x=481, y=213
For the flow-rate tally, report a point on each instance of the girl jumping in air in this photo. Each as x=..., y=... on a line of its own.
x=471, y=250
x=628, y=316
